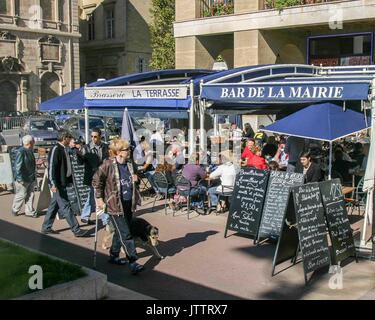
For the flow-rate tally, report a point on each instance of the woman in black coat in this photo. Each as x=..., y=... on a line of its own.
x=310, y=170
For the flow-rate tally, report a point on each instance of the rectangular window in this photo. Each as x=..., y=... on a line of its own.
x=48, y=9
x=341, y=50
x=141, y=65
x=109, y=13
x=91, y=27
x=4, y=7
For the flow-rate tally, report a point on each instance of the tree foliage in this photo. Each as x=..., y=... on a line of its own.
x=162, y=39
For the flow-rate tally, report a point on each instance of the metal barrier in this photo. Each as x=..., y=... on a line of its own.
x=7, y=123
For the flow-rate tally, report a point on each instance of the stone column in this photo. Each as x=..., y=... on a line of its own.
x=251, y=48
x=244, y=6
x=23, y=94
x=187, y=10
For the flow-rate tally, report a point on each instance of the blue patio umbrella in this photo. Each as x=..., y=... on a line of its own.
x=128, y=133
x=325, y=122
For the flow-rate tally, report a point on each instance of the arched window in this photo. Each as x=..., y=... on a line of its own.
x=8, y=96
x=50, y=86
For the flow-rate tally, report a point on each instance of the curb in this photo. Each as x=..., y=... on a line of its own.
x=92, y=287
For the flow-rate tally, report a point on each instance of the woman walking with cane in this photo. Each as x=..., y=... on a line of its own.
x=115, y=182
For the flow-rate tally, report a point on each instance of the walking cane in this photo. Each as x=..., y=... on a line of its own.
x=98, y=213
x=96, y=238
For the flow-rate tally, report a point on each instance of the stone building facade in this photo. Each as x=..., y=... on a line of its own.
x=39, y=51
x=115, y=38
x=254, y=32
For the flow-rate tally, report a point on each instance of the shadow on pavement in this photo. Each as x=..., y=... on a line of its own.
x=152, y=283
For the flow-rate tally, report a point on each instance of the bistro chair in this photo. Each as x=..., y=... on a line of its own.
x=359, y=199
x=183, y=188
x=144, y=184
x=163, y=187
x=225, y=194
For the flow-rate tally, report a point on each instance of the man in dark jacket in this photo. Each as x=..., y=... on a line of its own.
x=116, y=193
x=60, y=178
x=92, y=156
x=25, y=178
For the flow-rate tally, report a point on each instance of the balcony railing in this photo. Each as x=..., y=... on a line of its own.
x=282, y=4
x=210, y=8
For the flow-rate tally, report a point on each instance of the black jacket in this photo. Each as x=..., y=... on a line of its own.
x=25, y=165
x=314, y=174
x=58, y=167
x=91, y=160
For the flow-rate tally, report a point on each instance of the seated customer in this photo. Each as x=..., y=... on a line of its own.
x=257, y=161
x=148, y=168
x=165, y=166
x=248, y=153
x=194, y=173
x=310, y=170
x=343, y=167
x=226, y=171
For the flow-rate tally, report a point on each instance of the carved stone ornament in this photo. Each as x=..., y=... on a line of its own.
x=5, y=35
x=10, y=64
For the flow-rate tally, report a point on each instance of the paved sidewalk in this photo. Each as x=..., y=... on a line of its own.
x=200, y=264
x=116, y=292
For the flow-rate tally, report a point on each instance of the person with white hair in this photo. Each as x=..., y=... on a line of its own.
x=25, y=178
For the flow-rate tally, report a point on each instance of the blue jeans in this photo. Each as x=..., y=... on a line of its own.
x=214, y=196
x=199, y=191
x=90, y=206
x=122, y=236
x=150, y=177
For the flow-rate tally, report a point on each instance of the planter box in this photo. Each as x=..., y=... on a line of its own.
x=92, y=287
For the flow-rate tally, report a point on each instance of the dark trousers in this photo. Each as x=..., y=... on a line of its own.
x=60, y=203
x=122, y=236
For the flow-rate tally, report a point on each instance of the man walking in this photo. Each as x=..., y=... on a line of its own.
x=92, y=156
x=60, y=178
x=25, y=178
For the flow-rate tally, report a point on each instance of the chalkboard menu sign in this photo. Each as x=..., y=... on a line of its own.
x=276, y=202
x=340, y=232
x=312, y=228
x=81, y=191
x=288, y=242
x=247, y=201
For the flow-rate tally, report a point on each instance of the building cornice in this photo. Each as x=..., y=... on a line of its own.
x=53, y=32
x=301, y=16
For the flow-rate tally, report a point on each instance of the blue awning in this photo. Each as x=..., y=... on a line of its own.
x=140, y=104
x=75, y=99
x=326, y=121
x=286, y=92
x=160, y=114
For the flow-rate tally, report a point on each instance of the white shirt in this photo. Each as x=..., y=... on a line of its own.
x=156, y=136
x=227, y=174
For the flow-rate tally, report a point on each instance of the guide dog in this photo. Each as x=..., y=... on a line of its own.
x=144, y=234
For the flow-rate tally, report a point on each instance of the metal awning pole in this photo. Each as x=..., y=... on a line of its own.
x=215, y=125
x=202, y=136
x=370, y=193
x=330, y=161
x=191, y=119
x=87, y=125
x=202, y=107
